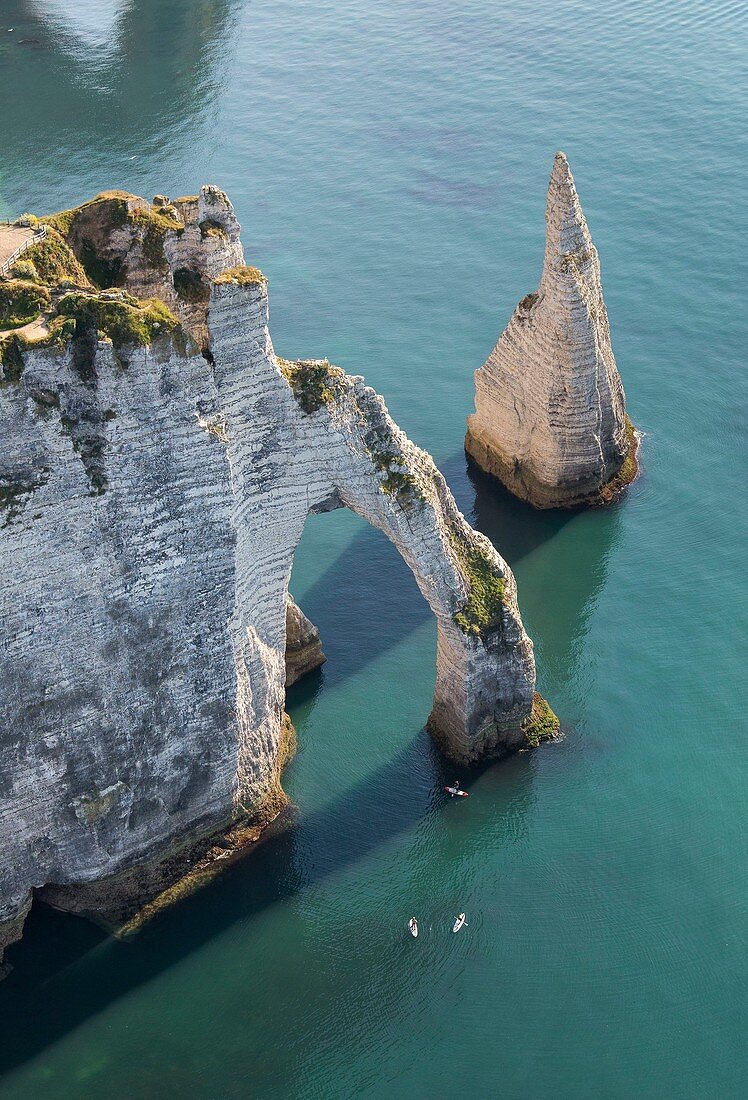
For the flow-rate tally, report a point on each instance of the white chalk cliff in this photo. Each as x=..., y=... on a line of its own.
x=154, y=484
x=550, y=419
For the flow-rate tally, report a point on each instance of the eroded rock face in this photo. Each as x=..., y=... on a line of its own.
x=166, y=250
x=159, y=497
x=303, y=644
x=550, y=419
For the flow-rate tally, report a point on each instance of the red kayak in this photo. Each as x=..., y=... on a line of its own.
x=455, y=791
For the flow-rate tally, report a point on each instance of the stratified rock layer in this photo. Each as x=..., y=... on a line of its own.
x=152, y=500
x=303, y=644
x=550, y=419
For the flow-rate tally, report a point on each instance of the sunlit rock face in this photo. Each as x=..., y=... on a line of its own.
x=550, y=419
x=303, y=644
x=153, y=498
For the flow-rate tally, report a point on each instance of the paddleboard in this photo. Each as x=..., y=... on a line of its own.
x=413, y=926
x=459, y=923
x=456, y=791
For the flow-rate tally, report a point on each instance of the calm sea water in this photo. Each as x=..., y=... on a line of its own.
x=389, y=165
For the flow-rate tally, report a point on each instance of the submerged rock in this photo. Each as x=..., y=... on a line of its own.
x=550, y=419
x=155, y=486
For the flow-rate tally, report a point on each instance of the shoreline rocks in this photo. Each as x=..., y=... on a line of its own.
x=550, y=420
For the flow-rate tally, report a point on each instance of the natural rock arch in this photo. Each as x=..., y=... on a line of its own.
x=153, y=498
x=327, y=441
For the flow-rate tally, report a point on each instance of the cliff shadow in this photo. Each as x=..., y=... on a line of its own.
x=514, y=527
x=558, y=591
x=66, y=971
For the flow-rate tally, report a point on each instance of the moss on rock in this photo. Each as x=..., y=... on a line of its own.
x=156, y=223
x=628, y=471
x=542, y=724
x=312, y=381
x=484, y=605
x=397, y=482
x=124, y=319
x=241, y=276
x=21, y=301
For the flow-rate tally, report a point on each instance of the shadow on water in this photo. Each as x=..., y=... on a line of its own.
x=365, y=603
x=558, y=596
x=66, y=971
x=515, y=528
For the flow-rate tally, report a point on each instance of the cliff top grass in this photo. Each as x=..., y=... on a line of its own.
x=111, y=210
x=484, y=605
x=118, y=209
x=241, y=276
x=54, y=260
x=125, y=320
x=312, y=381
x=21, y=301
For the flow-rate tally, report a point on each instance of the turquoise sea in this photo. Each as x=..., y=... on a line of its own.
x=389, y=164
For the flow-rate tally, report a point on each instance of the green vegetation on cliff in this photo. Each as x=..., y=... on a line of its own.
x=124, y=319
x=542, y=725
x=54, y=261
x=55, y=277
x=242, y=276
x=396, y=482
x=89, y=227
x=127, y=321
x=628, y=471
x=484, y=605
x=114, y=202
x=312, y=381
x=21, y=301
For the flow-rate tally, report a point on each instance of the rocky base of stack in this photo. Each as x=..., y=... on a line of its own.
x=522, y=483
x=497, y=740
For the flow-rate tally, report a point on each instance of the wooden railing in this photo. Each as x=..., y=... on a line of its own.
x=40, y=234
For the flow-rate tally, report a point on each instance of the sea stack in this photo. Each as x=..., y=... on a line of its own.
x=550, y=419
